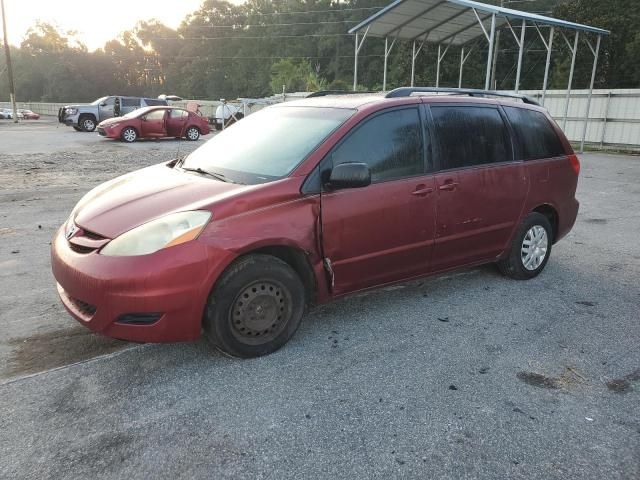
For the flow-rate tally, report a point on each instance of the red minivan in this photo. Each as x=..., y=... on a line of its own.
x=307, y=201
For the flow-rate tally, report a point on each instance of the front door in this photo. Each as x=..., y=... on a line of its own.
x=105, y=109
x=480, y=189
x=383, y=232
x=153, y=124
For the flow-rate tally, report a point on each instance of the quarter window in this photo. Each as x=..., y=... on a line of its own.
x=470, y=136
x=389, y=143
x=536, y=136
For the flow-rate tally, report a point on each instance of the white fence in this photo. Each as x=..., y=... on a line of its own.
x=614, y=116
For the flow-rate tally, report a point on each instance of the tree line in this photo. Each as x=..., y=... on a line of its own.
x=224, y=50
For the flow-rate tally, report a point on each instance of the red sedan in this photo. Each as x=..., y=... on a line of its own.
x=155, y=122
x=28, y=115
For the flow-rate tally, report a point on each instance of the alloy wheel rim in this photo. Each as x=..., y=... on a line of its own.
x=88, y=124
x=129, y=135
x=534, y=247
x=193, y=133
x=260, y=312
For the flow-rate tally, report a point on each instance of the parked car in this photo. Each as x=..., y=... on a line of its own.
x=28, y=114
x=311, y=200
x=155, y=122
x=7, y=113
x=85, y=117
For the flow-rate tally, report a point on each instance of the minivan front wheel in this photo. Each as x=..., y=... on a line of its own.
x=255, y=307
x=530, y=248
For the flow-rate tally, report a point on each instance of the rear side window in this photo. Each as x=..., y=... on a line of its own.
x=389, y=143
x=130, y=102
x=536, y=136
x=174, y=113
x=153, y=102
x=470, y=136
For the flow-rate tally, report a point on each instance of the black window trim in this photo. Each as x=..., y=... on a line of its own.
x=517, y=143
x=436, y=139
x=309, y=186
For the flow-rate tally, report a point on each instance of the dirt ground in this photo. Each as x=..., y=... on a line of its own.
x=46, y=169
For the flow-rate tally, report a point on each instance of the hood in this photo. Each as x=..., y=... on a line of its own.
x=139, y=197
x=111, y=121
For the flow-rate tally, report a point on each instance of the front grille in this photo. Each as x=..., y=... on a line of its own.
x=139, y=318
x=101, y=131
x=80, y=248
x=92, y=235
x=85, y=308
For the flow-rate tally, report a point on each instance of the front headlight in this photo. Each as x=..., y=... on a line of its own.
x=71, y=111
x=164, y=232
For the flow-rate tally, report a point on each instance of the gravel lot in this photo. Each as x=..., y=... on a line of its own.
x=466, y=375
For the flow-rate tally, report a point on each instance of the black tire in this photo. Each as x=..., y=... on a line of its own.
x=513, y=263
x=129, y=135
x=87, y=123
x=255, y=307
x=192, y=134
x=77, y=129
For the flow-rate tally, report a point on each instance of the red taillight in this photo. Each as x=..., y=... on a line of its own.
x=575, y=163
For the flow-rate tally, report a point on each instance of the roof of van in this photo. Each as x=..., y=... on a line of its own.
x=358, y=100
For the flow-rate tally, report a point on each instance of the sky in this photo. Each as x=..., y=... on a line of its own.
x=96, y=22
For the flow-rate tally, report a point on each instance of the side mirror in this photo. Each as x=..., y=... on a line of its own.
x=143, y=118
x=103, y=104
x=350, y=175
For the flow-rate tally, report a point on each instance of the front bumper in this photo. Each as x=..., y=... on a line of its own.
x=68, y=120
x=173, y=284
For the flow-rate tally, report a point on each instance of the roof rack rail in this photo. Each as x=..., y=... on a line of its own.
x=324, y=93
x=407, y=91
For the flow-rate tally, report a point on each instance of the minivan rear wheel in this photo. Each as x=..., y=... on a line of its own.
x=530, y=248
x=255, y=307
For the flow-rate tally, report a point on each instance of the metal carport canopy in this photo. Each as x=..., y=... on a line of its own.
x=459, y=23
x=452, y=22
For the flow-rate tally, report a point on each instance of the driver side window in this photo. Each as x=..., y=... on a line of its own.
x=155, y=115
x=389, y=143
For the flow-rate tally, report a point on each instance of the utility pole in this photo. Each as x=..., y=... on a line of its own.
x=7, y=54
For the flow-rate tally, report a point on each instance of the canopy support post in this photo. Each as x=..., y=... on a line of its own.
x=355, y=58
x=492, y=35
x=573, y=64
x=387, y=51
x=463, y=60
x=520, y=53
x=548, y=46
x=438, y=67
x=414, y=54
x=461, y=65
x=413, y=63
x=595, y=52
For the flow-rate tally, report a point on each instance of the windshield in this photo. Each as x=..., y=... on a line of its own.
x=267, y=145
x=99, y=101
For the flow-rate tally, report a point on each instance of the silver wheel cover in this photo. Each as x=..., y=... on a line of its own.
x=534, y=247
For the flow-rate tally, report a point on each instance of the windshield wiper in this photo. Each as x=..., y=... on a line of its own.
x=217, y=176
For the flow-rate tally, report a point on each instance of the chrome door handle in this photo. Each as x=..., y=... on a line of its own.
x=448, y=186
x=421, y=192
